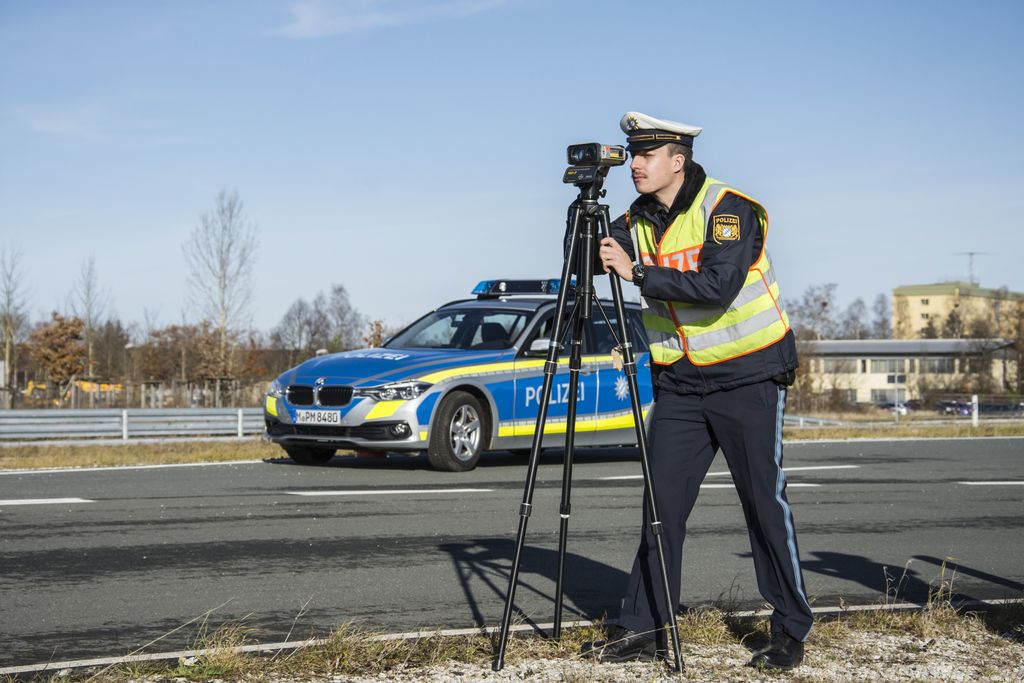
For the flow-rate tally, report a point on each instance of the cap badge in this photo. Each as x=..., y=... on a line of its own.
x=632, y=122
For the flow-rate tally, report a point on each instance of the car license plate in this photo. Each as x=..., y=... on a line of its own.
x=318, y=417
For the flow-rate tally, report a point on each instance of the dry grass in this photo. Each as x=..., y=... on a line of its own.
x=25, y=457
x=712, y=639
x=112, y=455
x=904, y=430
x=352, y=650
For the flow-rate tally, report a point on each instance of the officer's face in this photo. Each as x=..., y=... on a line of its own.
x=655, y=169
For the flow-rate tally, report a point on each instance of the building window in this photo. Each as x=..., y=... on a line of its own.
x=924, y=302
x=937, y=366
x=839, y=365
x=883, y=395
x=924, y=316
x=978, y=364
x=887, y=365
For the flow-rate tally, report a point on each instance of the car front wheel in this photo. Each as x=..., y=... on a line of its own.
x=305, y=455
x=458, y=433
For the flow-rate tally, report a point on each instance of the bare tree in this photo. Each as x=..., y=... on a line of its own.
x=89, y=304
x=953, y=326
x=331, y=322
x=853, y=324
x=220, y=252
x=346, y=322
x=12, y=314
x=813, y=316
x=294, y=332
x=929, y=331
x=881, y=323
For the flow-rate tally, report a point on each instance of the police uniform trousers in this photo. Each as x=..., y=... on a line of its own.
x=686, y=432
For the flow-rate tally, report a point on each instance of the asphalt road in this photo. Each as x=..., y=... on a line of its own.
x=399, y=547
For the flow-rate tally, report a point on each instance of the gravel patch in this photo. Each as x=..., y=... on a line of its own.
x=862, y=656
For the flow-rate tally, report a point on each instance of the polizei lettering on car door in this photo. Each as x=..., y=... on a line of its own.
x=559, y=394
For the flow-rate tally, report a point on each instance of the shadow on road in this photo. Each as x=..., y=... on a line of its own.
x=591, y=587
x=397, y=461
x=902, y=584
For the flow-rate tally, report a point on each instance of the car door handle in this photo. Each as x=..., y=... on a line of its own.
x=587, y=370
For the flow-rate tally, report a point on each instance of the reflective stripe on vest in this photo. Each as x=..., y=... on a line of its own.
x=708, y=334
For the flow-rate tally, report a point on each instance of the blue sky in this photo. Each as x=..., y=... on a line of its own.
x=407, y=149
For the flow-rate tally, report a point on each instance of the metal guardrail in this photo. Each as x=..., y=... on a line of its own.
x=802, y=421
x=128, y=423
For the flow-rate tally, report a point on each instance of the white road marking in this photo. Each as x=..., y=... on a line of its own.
x=898, y=439
x=992, y=483
x=726, y=472
x=383, y=492
x=43, y=501
x=730, y=486
x=787, y=470
x=125, y=468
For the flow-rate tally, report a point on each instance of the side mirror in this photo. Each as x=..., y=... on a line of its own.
x=538, y=347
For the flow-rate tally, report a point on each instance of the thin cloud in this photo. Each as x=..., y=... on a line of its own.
x=77, y=121
x=319, y=19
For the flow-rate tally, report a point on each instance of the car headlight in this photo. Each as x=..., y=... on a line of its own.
x=276, y=389
x=397, y=391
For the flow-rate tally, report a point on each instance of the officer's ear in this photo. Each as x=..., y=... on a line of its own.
x=678, y=162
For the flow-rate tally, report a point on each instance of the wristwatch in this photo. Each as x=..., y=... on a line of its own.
x=638, y=274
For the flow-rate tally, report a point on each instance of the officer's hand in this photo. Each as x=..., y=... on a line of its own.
x=613, y=257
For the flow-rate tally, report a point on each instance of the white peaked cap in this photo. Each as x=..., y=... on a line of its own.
x=646, y=132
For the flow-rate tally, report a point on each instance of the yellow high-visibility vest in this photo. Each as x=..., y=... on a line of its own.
x=709, y=333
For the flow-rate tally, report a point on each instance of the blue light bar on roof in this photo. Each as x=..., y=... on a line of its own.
x=495, y=288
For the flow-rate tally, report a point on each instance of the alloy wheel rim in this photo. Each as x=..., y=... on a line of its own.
x=464, y=435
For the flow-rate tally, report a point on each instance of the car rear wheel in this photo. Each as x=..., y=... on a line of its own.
x=307, y=455
x=458, y=433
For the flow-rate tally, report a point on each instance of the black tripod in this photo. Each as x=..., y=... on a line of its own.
x=588, y=224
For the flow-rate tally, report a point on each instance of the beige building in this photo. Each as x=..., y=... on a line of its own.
x=923, y=311
x=886, y=370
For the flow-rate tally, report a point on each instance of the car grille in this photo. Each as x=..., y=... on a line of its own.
x=376, y=432
x=300, y=395
x=334, y=396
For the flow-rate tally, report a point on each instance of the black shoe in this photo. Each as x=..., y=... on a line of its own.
x=622, y=645
x=783, y=653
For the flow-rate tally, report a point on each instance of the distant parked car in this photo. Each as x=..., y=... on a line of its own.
x=953, y=408
x=896, y=408
x=901, y=409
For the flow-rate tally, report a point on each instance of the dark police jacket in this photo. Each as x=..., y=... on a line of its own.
x=723, y=268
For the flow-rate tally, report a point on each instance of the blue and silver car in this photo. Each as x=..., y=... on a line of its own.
x=463, y=379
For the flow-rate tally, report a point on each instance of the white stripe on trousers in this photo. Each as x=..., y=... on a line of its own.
x=780, y=484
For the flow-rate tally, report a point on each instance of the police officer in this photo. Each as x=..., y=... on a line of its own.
x=722, y=357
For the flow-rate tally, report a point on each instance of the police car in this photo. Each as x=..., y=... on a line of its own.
x=463, y=379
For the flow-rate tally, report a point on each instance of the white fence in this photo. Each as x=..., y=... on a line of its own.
x=17, y=425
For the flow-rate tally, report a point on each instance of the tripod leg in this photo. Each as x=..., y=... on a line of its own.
x=629, y=365
x=565, y=507
x=583, y=311
x=550, y=367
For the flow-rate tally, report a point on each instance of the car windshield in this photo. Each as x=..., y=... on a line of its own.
x=462, y=328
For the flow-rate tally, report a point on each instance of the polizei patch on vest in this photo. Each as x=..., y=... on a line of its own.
x=726, y=228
